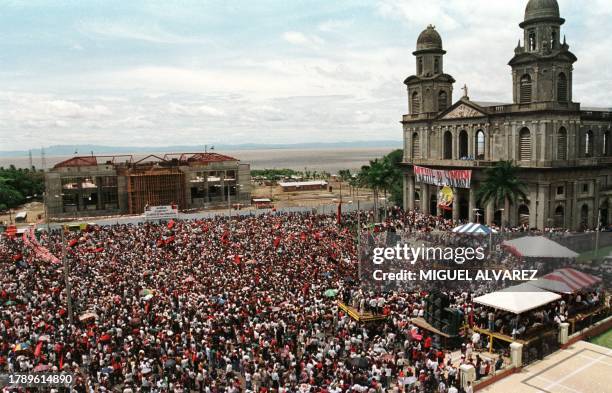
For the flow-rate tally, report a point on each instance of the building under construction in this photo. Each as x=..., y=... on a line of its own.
x=119, y=184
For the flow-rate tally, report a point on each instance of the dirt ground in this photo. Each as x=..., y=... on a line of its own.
x=34, y=209
x=278, y=196
x=310, y=198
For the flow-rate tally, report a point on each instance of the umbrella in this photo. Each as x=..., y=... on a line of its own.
x=88, y=315
x=146, y=370
x=359, y=362
x=170, y=363
x=330, y=293
x=146, y=291
x=106, y=370
x=105, y=337
x=148, y=297
x=10, y=303
x=41, y=368
x=22, y=347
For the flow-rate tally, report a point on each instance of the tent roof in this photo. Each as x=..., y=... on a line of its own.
x=474, y=228
x=566, y=280
x=539, y=246
x=518, y=298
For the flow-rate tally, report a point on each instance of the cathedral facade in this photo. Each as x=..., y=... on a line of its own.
x=563, y=150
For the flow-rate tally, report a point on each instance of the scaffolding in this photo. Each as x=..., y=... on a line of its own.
x=155, y=187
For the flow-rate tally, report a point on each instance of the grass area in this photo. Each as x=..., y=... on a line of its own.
x=605, y=340
x=603, y=252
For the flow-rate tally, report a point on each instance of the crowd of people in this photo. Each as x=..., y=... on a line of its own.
x=240, y=304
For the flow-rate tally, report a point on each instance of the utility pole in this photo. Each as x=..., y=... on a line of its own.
x=229, y=202
x=67, y=279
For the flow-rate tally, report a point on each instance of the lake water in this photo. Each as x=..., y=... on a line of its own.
x=330, y=160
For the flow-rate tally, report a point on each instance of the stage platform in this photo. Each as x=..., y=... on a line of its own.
x=360, y=317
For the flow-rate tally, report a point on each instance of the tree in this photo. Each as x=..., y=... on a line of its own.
x=502, y=185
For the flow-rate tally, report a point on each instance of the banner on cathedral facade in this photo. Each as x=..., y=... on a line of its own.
x=460, y=178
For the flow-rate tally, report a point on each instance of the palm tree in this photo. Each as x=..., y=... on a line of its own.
x=502, y=185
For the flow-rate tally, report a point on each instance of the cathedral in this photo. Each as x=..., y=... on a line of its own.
x=563, y=150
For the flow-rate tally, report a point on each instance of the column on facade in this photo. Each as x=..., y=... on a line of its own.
x=456, y=204
x=533, y=205
x=424, y=198
x=488, y=142
x=455, y=144
x=471, y=137
x=543, y=206
x=439, y=210
x=490, y=212
x=472, y=203
x=536, y=134
x=409, y=204
x=513, y=154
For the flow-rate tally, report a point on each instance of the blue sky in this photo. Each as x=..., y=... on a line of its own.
x=206, y=72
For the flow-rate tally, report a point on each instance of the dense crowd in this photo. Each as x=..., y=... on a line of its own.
x=241, y=304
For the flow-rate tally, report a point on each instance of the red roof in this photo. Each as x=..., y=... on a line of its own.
x=78, y=161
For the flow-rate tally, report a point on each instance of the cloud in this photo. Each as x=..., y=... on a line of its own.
x=301, y=39
x=179, y=109
x=147, y=32
x=335, y=25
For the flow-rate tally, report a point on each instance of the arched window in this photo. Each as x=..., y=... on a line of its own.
x=416, y=103
x=584, y=216
x=553, y=39
x=480, y=145
x=448, y=145
x=419, y=66
x=562, y=144
x=436, y=65
x=524, y=145
x=562, y=88
x=588, y=144
x=442, y=100
x=559, y=219
x=463, y=144
x=525, y=89
x=416, y=146
x=532, y=40
x=523, y=215
x=606, y=143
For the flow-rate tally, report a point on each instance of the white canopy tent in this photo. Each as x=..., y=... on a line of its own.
x=566, y=280
x=538, y=247
x=518, y=298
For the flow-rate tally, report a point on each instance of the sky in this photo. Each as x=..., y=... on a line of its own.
x=159, y=73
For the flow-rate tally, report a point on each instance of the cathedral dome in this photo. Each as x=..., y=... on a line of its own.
x=429, y=39
x=538, y=9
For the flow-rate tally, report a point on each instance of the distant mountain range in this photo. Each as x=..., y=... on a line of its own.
x=68, y=150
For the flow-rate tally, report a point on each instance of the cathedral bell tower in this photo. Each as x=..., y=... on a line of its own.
x=430, y=90
x=542, y=67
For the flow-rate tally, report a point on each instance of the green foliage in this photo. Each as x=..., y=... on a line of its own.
x=274, y=174
x=384, y=175
x=16, y=185
x=501, y=185
x=279, y=174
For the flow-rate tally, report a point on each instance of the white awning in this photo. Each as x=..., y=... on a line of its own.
x=518, y=298
x=303, y=183
x=539, y=247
